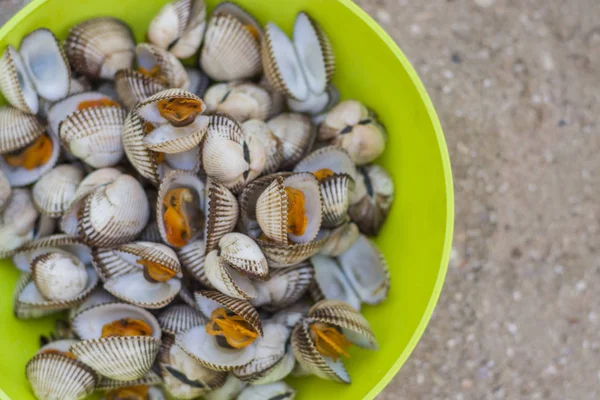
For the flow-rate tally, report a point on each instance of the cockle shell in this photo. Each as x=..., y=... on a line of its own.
x=180, y=318
x=284, y=287
x=56, y=376
x=94, y=135
x=340, y=239
x=60, y=110
x=133, y=86
x=59, y=275
x=17, y=129
x=99, y=47
x=17, y=222
x=221, y=213
x=226, y=279
x=15, y=83
x=271, y=391
x=192, y=257
x=330, y=282
x=70, y=244
x=231, y=48
x=371, y=211
x=280, y=256
x=97, y=297
x=123, y=358
x=150, y=379
x=271, y=144
x=335, y=192
x=114, y=214
x=297, y=135
x=143, y=159
x=5, y=191
x=149, y=56
x=47, y=64
x=241, y=100
x=229, y=391
x=179, y=27
x=54, y=192
x=95, y=179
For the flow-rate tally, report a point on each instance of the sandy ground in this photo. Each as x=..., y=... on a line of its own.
x=516, y=85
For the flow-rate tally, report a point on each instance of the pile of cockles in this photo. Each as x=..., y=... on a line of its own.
x=205, y=227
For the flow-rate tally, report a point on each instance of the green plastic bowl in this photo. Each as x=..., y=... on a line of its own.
x=417, y=237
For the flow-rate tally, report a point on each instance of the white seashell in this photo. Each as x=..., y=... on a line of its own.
x=340, y=239
x=59, y=275
x=15, y=83
x=99, y=47
x=297, y=135
x=149, y=56
x=222, y=212
x=277, y=390
x=180, y=318
x=199, y=81
x=97, y=297
x=54, y=192
x=17, y=129
x=142, y=159
x=5, y=191
x=169, y=139
x=335, y=192
x=150, y=379
x=371, y=211
x=231, y=48
x=229, y=391
x=284, y=287
x=17, y=222
x=95, y=179
x=314, y=103
x=135, y=289
x=60, y=110
x=241, y=100
x=192, y=257
x=132, y=86
x=209, y=300
x=271, y=144
x=226, y=279
x=47, y=244
x=243, y=254
x=281, y=256
x=279, y=371
x=331, y=283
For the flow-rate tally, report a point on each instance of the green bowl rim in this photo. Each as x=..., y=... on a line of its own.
x=383, y=35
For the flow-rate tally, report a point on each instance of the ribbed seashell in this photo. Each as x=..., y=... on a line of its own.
x=278, y=98
x=371, y=211
x=97, y=178
x=60, y=110
x=226, y=279
x=367, y=270
x=335, y=192
x=270, y=349
x=15, y=83
x=304, y=26
x=222, y=213
x=271, y=144
x=5, y=191
x=109, y=264
x=17, y=129
x=56, y=376
x=192, y=257
x=278, y=371
x=231, y=48
x=97, y=297
x=199, y=81
x=29, y=303
x=99, y=47
x=151, y=233
x=229, y=391
x=284, y=287
x=114, y=214
x=94, y=135
x=133, y=86
x=17, y=222
x=180, y=318
x=70, y=244
x=178, y=179
x=340, y=239
x=19, y=176
x=143, y=159
x=149, y=56
x=291, y=315
x=179, y=26
x=313, y=105
x=241, y=100
x=286, y=255
x=297, y=135
x=330, y=282
x=243, y=254
x=271, y=391
x=134, y=288
x=54, y=192
x=150, y=379
x=47, y=64
x=209, y=300
x=123, y=358
x=59, y=275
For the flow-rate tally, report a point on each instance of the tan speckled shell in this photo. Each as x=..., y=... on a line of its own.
x=99, y=47
x=272, y=210
x=297, y=135
x=119, y=357
x=55, y=190
x=133, y=86
x=222, y=213
x=179, y=318
x=54, y=376
x=335, y=192
x=230, y=51
x=9, y=82
x=169, y=65
x=192, y=257
x=239, y=307
x=17, y=129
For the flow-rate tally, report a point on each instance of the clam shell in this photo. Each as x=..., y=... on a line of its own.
x=199, y=81
x=229, y=391
x=142, y=158
x=97, y=297
x=17, y=129
x=171, y=140
x=54, y=192
x=180, y=318
x=371, y=211
x=60, y=110
x=59, y=276
x=226, y=279
x=54, y=376
x=284, y=287
x=94, y=135
x=176, y=179
x=27, y=311
x=15, y=83
x=280, y=256
x=346, y=113
x=151, y=233
x=47, y=64
x=241, y=100
x=335, y=192
x=133, y=86
x=192, y=257
x=243, y=254
x=230, y=50
x=17, y=222
x=135, y=289
x=293, y=314
x=99, y=47
x=367, y=270
x=272, y=210
x=70, y=244
x=222, y=213
x=154, y=252
x=297, y=135
x=271, y=143
x=209, y=300
x=115, y=213
x=179, y=26
x=310, y=359
x=278, y=371
x=150, y=379
x=340, y=239
x=149, y=55
x=271, y=391
x=5, y=191
x=354, y=326
x=330, y=282
x=109, y=264
x=19, y=176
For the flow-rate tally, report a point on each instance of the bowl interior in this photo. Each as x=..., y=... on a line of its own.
x=417, y=236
